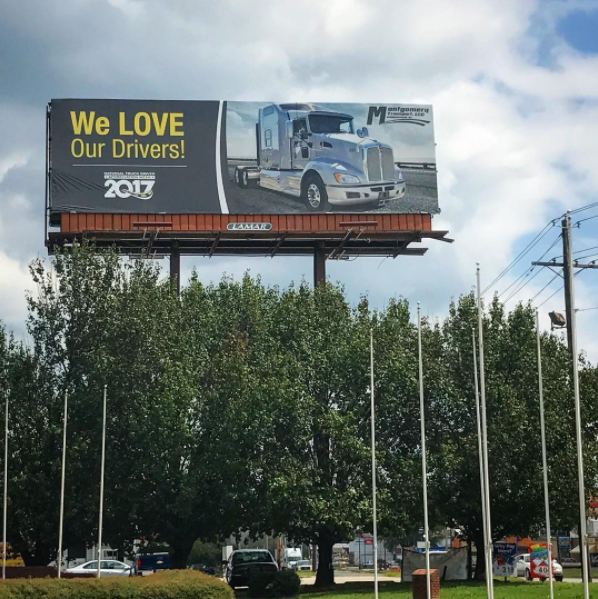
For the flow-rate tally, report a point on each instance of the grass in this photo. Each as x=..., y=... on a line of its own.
x=576, y=573
x=455, y=590
x=306, y=574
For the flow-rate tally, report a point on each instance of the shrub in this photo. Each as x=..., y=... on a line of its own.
x=163, y=585
x=259, y=583
x=286, y=584
x=274, y=584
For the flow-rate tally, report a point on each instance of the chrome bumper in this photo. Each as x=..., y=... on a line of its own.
x=377, y=192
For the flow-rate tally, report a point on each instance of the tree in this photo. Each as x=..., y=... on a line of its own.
x=513, y=427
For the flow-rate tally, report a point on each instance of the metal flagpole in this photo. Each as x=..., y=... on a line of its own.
x=59, y=558
x=373, y=427
x=480, y=453
x=489, y=575
x=102, y=467
x=423, y=445
x=544, y=461
x=5, y=510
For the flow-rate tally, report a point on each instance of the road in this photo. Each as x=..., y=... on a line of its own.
x=421, y=196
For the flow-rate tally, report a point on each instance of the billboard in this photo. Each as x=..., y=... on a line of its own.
x=217, y=157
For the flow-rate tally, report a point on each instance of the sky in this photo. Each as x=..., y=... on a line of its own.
x=514, y=85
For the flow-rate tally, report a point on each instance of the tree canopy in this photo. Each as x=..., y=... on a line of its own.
x=240, y=407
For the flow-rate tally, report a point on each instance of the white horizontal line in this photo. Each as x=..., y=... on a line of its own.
x=138, y=165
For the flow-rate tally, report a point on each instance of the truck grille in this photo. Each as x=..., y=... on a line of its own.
x=388, y=164
x=380, y=164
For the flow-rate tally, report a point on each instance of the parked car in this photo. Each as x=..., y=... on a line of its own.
x=108, y=567
x=245, y=562
x=303, y=565
x=522, y=567
x=152, y=562
x=203, y=568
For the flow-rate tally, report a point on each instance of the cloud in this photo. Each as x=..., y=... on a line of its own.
x=515, y=107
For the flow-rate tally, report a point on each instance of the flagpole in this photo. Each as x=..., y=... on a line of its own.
x=423, y=446
x=489, y=574
x=480, y=453
x=544, y=459
x=59, y=559
x=5, y=508
x=373, y=428
x=102, y=467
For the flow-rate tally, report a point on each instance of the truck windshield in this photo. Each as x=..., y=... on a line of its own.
x=319, y=123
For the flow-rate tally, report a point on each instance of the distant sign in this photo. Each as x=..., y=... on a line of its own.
x=503, y=559
x=539, y=561
x=564, y=546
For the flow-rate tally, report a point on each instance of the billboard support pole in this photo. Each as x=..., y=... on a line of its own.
x=5, y=507
x=175, y=266
x=544, y=460
x=319, y=263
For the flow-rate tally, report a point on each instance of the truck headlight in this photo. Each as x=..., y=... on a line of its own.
x=344, y=178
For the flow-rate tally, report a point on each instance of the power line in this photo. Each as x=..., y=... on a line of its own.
x=560, y=288
x=545, y=286
x=586, y=309
x=514, y=293
x=529, y=246
x=529, y=272
x=585, y=219
x=587, y=207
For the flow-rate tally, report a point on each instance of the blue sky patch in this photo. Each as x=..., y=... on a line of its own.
x=580, y=31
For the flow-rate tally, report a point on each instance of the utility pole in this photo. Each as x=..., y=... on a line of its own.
x=571, y=316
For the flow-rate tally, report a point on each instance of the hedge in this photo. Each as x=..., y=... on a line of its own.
x=285, y=583
x=182, y=584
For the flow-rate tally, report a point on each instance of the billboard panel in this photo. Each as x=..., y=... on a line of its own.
x=216, y=157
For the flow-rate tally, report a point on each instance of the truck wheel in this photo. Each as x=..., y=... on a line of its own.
x=528, y=575
x=314, y=193
x=241, y=178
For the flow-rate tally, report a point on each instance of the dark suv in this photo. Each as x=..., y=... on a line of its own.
x=244, y=562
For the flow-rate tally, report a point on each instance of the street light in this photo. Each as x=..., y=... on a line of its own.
x=557, y=321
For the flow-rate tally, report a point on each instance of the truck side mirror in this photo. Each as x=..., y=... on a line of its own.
x=363, y=132
x=289, y=129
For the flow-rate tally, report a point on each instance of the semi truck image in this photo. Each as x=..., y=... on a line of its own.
x=314, y=153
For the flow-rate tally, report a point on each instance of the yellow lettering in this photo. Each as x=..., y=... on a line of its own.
x=122, y=125
x=156, y=151
x=160, y=122
x=147, y=126
x=118, y=148
x=77, y=148
x=102, y=126
x=82, y=121
x=175, y=124
x=173, y=151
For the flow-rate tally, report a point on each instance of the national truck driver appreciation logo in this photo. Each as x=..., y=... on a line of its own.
x=127, y=184
x=413, y=115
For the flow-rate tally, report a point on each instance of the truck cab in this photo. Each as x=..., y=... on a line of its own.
x=314, y=153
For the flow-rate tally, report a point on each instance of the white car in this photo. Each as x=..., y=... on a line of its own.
x=522, y=567
x=108, y=567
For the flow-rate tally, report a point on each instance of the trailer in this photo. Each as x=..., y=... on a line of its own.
x=313, y=153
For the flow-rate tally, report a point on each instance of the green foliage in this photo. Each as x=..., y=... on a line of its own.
x=241, y=407
x=286, y=583
x=164, y=585
x=208, y=554
x=260, y=584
